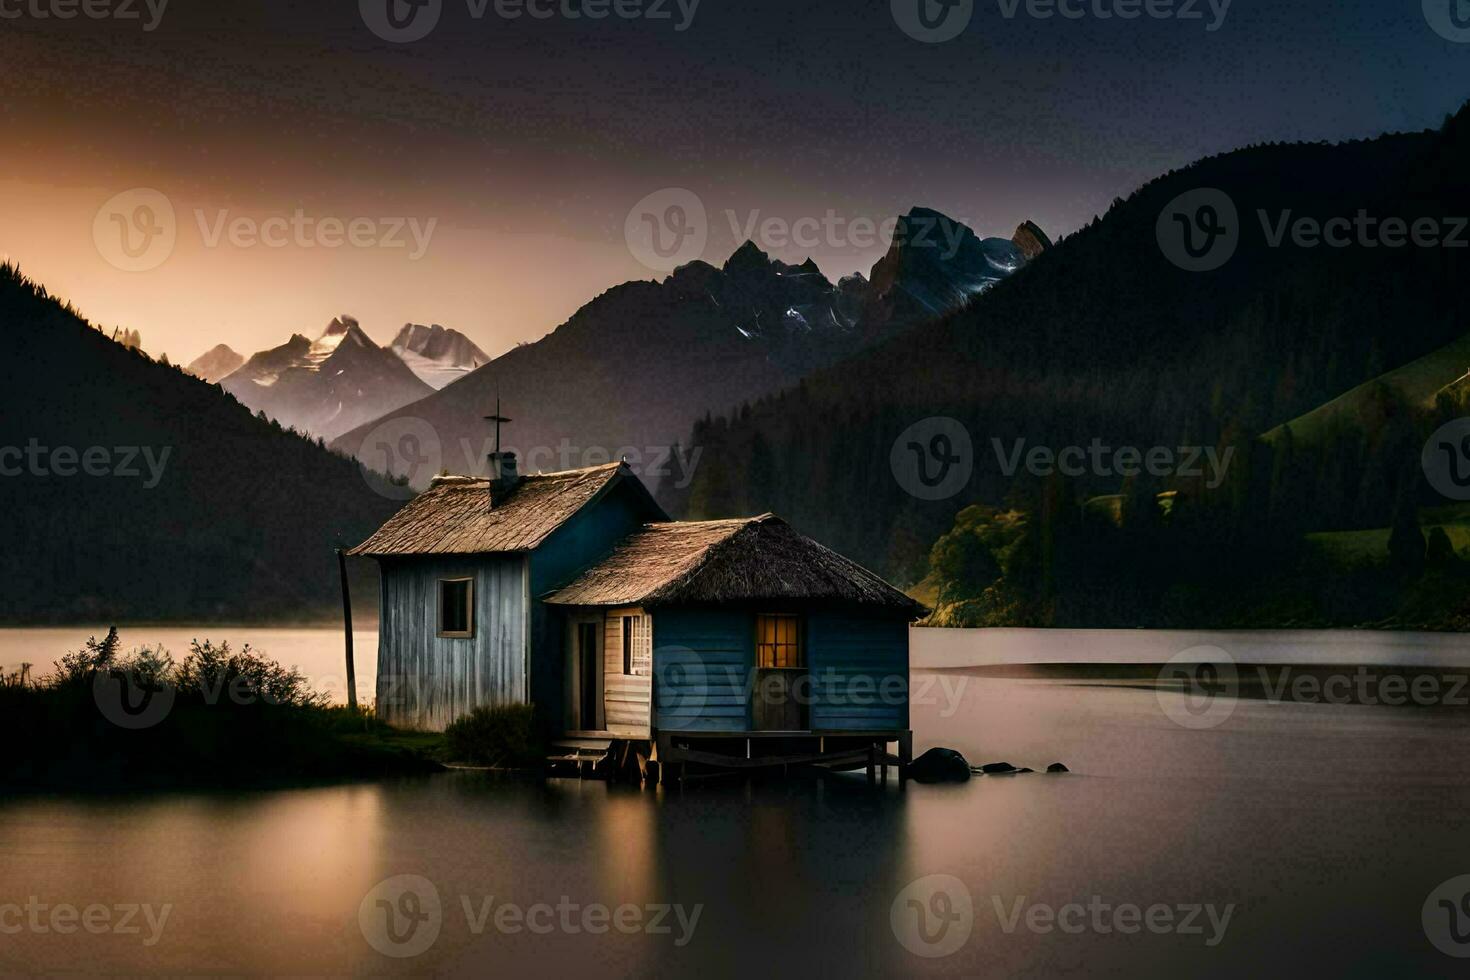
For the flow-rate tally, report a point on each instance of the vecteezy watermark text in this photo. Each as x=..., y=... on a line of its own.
x=671, y=227
x=409, y=449
x=1100, y=459
x=65, y=919
x=35, y=459
x=402, y=917
x=126, y=10
x=406, y=21
x=138, y=230
x=1201, y=230
x=1097, y=915
x=934, y=459
x=302, y=230
x=937, y=21
x=934, y=917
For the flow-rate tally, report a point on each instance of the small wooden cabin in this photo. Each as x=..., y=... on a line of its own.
x=573, y=591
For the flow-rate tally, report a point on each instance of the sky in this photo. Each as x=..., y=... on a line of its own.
x=224, y=171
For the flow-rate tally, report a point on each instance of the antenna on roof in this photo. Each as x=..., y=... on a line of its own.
x=503, y=475
x=497, y=418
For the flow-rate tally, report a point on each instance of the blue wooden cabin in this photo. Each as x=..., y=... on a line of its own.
x=707, y=642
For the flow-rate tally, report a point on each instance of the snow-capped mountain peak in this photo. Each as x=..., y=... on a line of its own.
x=437, y=354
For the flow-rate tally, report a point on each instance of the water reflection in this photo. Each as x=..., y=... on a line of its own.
x=1324, y=826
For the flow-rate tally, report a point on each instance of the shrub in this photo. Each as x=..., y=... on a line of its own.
x=504, y=736
x=217, y=672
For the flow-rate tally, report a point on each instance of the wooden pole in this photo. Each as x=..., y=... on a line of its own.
x=347, y=628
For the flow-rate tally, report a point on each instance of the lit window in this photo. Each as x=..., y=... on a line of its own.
x=638, y=645
x=778, y=641
x=457, y=607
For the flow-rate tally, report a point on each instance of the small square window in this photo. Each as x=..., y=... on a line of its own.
x=778, y=642
x=456, y=608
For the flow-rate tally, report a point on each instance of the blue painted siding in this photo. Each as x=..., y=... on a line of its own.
x=859, y=668
x=580, y=542
x=702, y=662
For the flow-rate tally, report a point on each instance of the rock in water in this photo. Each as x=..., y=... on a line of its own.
x=940, y=766
x=997, y=768
x=1057, y=767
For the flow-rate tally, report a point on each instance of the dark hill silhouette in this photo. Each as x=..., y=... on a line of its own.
x=242, y=520
x=1104, y=337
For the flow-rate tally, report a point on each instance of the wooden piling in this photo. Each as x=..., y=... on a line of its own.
x=347, y=628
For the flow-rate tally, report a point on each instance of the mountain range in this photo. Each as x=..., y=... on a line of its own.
x=629, y=371
x=328, y=385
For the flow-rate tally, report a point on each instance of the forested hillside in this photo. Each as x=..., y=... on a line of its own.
x=132, y=490
x=1103, y=338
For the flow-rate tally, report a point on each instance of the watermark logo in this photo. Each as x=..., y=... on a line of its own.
x=933, y=459
x=401, y=21
x=667, y=229
x=1446, y=917
x=1449, y=18
x=1199, y=230
x=1197, y=688
x=933, y=916
x=933, y=21
x=407, y=449
x=128, y=701
x=1446, y=459
x=136, y=231
x=401, y=916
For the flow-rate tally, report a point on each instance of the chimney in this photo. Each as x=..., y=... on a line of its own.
x=503, y=475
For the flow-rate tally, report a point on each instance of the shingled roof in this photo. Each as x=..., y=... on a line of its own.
x=454, y=517
x=754, y=559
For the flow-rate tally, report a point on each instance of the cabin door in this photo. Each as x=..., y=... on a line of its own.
x=589, y=677
x=782, y=688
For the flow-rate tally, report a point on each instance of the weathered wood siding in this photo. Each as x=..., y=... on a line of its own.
x=702, y=660
x=859, y=671
x=425, y=681
x=585, y=539
x=626, y=697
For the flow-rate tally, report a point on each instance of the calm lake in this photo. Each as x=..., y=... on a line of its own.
x=1282, y=837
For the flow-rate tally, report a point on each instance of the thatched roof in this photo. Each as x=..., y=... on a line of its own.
x=754, y=559
x=454, y=517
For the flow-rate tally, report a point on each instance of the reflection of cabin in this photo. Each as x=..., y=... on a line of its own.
x=736, y=639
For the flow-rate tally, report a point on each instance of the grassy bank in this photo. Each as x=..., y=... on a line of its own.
x=110, y=721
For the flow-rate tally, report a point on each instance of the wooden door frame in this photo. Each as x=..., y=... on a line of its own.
x=575, y=622
x=805, y=669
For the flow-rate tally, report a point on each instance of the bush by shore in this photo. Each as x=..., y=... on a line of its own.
x=110, y=721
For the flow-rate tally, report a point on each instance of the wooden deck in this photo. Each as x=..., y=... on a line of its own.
x=747, y=751
x=675, y=757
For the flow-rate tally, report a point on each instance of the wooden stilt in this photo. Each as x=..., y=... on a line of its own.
x=347, y=628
